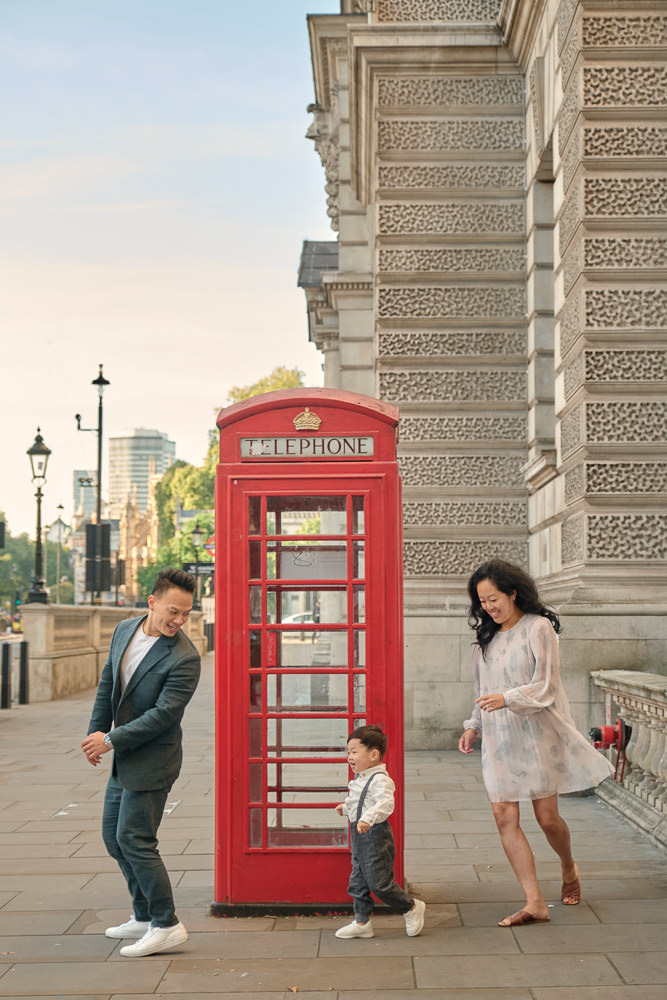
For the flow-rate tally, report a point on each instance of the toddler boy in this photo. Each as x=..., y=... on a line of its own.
x=368, y=805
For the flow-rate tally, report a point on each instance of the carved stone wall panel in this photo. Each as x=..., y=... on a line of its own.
x=566, y=12
x=624, y=31
x=447, y=91
x=625, y=252
x=626, y=536
x=473, y=134
x=462, y=472
x=437, y=11
x=593, y=366
x=493, y=428
x=569, y=111
x=617, y=141
x=474, y=302
x=626, y=308
x=445, y=513
x=570, y=323
x=458, y=558
x=624, y=86
x=475, y=259
x=572, y=540
x=571, y=431
x=626, y=422
x=632, y=478
x=573, y=376
x=575, y=483
x=429, y=176
x=468, y=385
x=569, y=219
x=625, y=196
x=625, y=366
x=568, y=57
x=571, y=158
x=573, y=265
x=432, y=343
x=451, y=218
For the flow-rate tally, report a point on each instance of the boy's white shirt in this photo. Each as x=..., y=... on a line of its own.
x=379, y=801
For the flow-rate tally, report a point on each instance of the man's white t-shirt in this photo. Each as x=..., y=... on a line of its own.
x=134, y=654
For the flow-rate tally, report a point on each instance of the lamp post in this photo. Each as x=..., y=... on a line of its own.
x=60, y=510
x=101, y=382
x=197, y=536
x=38, y=454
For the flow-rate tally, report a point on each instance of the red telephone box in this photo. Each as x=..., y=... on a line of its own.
x=309, y=638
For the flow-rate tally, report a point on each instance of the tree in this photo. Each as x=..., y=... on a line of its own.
x=280, y=378
x=176, y=551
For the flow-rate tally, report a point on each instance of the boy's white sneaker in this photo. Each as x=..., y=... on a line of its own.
x=414, y=918
x=355, y=930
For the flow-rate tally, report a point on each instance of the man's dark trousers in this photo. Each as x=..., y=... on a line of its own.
x=129, y=828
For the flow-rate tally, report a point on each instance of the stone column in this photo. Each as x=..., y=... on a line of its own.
x=612, y=308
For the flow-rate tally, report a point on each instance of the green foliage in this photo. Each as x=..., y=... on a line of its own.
x=17, y=567
x=176, y=551
x=280, y=378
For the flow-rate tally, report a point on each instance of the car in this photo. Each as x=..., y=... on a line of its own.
x=300, y=618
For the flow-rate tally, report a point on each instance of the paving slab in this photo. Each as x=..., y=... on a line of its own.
x=225, y=975
x=69, y=979
x=516, y=970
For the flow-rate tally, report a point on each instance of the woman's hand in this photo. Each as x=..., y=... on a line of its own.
x=467, y=740
x=491, y=702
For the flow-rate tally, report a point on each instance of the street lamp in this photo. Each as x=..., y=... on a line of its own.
x=101, y=382
x=60, y=510
x=38, y=454
x=197, y=537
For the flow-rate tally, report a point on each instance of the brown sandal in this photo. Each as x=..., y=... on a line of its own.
x=523, y=917
x=570, y=891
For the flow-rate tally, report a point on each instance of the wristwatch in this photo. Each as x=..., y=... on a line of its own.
x=107, y=739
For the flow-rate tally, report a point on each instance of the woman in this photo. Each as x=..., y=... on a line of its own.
x=530, y=747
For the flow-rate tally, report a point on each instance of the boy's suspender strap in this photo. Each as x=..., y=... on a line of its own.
x=362, y=797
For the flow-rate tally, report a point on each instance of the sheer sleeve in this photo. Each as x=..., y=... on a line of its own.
x=542, y=689
x=475, y=721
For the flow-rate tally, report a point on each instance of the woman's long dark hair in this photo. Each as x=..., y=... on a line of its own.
x=506, y=578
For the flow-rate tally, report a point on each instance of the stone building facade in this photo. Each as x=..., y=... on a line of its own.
x=496, y=175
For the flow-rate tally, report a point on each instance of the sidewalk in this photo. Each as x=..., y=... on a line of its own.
x=59, y=890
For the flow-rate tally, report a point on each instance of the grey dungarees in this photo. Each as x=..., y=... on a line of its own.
x=373, y=855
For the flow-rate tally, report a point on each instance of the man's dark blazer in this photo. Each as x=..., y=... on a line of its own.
x=147, y=736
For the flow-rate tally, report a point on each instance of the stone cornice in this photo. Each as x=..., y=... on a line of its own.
x=519, y=22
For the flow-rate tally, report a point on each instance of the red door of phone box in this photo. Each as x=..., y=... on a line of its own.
x=309, y=638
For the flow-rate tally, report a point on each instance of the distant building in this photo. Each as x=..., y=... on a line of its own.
x=84, y=492
x=133, y=459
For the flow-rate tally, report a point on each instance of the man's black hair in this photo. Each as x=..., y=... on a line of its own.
x=168, y=578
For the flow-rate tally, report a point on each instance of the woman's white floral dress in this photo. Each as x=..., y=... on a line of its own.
x=531, y=749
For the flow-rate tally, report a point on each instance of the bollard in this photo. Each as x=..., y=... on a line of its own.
x=6, y=689
x=24, y=677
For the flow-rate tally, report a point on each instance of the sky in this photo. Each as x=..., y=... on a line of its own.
x=155, y=189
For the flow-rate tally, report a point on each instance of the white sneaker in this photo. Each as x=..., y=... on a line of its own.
x=414, y=918
x=355, y=930
x=156, y=939
x=132, y=928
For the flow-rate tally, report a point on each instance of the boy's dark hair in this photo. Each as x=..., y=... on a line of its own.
x=168, y=578
x=371, y=737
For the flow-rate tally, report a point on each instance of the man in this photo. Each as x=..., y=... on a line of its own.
x=150, y=675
